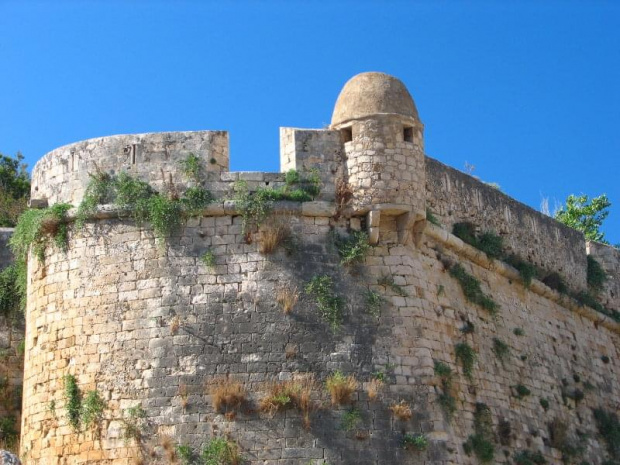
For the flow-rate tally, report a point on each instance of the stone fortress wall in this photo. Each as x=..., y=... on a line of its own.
x=152, y=326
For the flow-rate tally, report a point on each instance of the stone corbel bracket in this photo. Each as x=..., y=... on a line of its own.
x=406, y=218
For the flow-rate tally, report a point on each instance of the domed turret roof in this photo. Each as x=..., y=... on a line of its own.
x=370, y=94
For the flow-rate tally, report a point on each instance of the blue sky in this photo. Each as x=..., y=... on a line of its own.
x=528, y=92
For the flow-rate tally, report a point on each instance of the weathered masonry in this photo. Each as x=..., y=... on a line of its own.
x=443, y=354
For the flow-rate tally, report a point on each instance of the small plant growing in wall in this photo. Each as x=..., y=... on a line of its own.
x=221, y=451
x=544, y=403
x=471, y=288
x=521, y=391
x=501, y=350
x=467, y=357
x=134, y=420
x=208, y=258
x=341, y=387
x=352, y=249
x=374, y=302
x=350, y=419
x=481, y=442
x=446, y=399
x=73, y=402
x=596, y=276
x=431, y=218
x=388, y=281
x=415, y=442
x=92, y=409
x=192, y=167
x=330, y=305
x=526, y=457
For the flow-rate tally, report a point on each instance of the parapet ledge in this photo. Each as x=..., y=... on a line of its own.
x=538, y=287
x=316, y=208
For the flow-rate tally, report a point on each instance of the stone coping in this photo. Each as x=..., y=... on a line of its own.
x=538, y=287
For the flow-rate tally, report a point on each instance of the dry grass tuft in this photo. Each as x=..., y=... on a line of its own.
x=402, y=411
x=341, y=387
x=167, y=445
x=226, y=394
x=373, y=387
x=174, y=325
x=183, y=395
x=272, y=233
x=296, y=393
x=287, y=297
x=290, y=351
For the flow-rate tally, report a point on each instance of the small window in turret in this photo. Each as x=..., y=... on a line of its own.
x=408, y=134
x=346, y=134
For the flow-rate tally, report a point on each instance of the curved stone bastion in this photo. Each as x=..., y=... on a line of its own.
x=338, y=321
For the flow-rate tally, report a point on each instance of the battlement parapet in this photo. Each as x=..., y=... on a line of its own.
x=63, y=174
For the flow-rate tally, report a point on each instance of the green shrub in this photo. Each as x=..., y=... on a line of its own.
x=446, y=401
x=254, y=207
x=596, y=276
x=518, y=332
x=467, y=356
x=92, y=408
x=10, y=296
x=431, y=218
x=195, y=199
x=374, y=301
x=8, y=431
x=417, y=442
x=491, y=244
x=186, y=454
x=556, y=282
x=587, y=299
x=466, y=232
x=526, y=457
x=526, y=270
x=488, y=242
x=164, y=215
x=388, y=281
x=73, y=401
x=192, y=167
x=609, y=428
x=501, y=350
x=134, y=421
x=468, y=328
x=481, y=447
x=220, y=451
x=100, y=191
x=208, y=258
x=522, y=391
x=481, y=443
x=471, y=288
x=544, y=403
x=36, y=228
x=329, y=304
x=352, y=249
x=350, y=419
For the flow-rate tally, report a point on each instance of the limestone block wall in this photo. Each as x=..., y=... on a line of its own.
x=63, y=174
x=454, y=196
x=382, y=168
x=152, y=326
x=609, y=259
x=313, y=149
